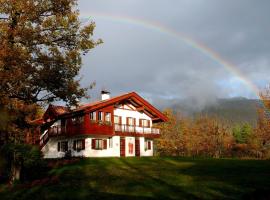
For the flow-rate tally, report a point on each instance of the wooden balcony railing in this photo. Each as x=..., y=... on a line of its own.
x=118, y=128
x=135, y=129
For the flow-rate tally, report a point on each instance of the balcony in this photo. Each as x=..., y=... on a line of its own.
x=56, y=130
x=123, y=128
x=97, y=128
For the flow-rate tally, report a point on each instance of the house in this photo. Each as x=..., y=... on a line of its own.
x=111, y=127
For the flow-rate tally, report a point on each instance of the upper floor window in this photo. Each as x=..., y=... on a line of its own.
x=131, y=121
x=93, y=116
x=117, y=119
x=100, y=116
x=77, y=119
x=144, y=123
x=108, y=117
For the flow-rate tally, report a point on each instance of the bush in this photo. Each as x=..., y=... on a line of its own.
x=28, y=157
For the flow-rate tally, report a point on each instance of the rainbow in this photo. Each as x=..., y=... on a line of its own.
x=156, y=26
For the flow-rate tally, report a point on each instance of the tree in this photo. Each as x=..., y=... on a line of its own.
x=41, y=44
x=242, y=133
x=170, y=142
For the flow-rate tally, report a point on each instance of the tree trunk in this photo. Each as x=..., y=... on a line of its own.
x=15, y=172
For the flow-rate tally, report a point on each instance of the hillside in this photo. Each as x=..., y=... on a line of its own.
x=233, y=110
x=149, y=178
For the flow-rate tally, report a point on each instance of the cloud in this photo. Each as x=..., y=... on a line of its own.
x=134, y=58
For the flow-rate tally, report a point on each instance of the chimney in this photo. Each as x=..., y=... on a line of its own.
x=105, y=95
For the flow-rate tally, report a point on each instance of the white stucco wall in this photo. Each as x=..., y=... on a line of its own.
x=50, y=149
x=131, y=113
x=144, y=152
x=109, y=152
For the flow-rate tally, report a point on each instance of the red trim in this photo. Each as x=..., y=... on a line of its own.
x=122, y=147
x=134, y=96
x=83, y=143
x=137, y=147
x=138, y=135
x=93, y=143
x=105, y=144
x=149, y=145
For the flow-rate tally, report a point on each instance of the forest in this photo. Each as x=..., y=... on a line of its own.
x=210, y=136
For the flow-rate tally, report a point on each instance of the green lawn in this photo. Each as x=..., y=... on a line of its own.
x=153, y=178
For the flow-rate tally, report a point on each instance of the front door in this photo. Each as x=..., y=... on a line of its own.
x=137, y=147
x=122, y=147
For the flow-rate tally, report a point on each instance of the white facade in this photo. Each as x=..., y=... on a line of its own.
x=124, y=113
x=50, y=150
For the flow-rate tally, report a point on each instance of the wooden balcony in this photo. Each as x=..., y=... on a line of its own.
x=100, y=128
x=129, y=130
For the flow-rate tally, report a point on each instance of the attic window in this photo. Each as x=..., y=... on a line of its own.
x=144, y=123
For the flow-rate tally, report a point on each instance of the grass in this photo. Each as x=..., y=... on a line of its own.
x=152, y=178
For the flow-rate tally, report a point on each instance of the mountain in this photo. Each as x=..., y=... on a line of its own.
x=232, y=110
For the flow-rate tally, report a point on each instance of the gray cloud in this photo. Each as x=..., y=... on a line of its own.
x=134, y=58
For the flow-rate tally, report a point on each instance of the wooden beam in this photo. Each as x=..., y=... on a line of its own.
x=142, y=108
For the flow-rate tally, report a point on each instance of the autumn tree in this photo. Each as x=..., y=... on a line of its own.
x=202, y=136
x=41, y=44
x=170, y=142
x=209, y=136
x=260, y=142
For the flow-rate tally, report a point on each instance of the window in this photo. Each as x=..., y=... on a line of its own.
x=144, y=123
x=100, y=116
x=131, y=121
x=110, y=142
x=62, y=146
x=99, y=144
x=77, y=119
x=93, y=116
x=108, y=117
x=117, y=119
x=79, y=145
x=147, y=145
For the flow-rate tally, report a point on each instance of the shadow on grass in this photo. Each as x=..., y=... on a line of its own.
x=154, y=178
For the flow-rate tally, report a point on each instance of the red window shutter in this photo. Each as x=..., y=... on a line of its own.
x=127, y=120
x=93, y=143
x=134, y=121
x=105, y=144
x=58, y=146
x=140, y=122
x=148, y=123
x=120, y=120
x=83, y=143
x=149, y=145
x=74, y=144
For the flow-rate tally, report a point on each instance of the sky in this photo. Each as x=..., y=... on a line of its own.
x=184, y=59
